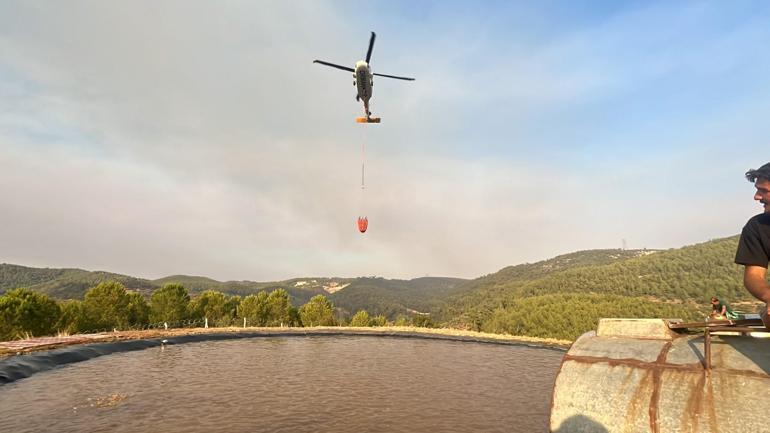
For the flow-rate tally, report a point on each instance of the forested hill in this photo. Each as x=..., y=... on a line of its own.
x=64, y=283
x=73, y=283
x=392, y=298
x=560, y=297
x=300, y=289
x=566, y=295
x=376, y=295
x=513, y=276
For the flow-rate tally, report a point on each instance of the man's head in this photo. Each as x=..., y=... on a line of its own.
x=714, y=301
x=761, y=179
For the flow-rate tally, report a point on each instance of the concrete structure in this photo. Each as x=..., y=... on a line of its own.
x=638, y=375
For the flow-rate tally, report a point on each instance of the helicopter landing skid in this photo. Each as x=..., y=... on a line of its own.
x=367, y=120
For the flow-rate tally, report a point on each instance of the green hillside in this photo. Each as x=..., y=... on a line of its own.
x=64, y=283
x=565, y=296
x=487, y=288
x=300, y=289
x=192, y=283
x=376, y=295
x=392, y=298
x=566, y=316
x=12, y=276
x=560, y=297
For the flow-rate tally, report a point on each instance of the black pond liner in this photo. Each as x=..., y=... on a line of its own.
x=23, y=366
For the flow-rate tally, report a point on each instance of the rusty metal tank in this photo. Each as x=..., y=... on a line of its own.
x=638, y=375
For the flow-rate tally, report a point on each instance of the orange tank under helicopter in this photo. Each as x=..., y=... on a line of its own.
x=363, y=224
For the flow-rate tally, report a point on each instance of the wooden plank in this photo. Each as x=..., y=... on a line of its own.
x=738, y=329
x=713, y=323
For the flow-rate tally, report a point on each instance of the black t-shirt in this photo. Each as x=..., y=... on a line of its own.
x=754, y=246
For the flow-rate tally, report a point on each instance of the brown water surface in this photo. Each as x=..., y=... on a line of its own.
x=292, y=384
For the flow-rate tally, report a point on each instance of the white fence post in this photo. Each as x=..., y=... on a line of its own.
x=244, y=322
x=206, y=325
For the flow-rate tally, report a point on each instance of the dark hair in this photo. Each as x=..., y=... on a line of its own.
x=760, y=173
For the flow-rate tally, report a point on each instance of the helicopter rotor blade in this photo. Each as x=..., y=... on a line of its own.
x=371, y=46
x=393, y=76
x=344, y=68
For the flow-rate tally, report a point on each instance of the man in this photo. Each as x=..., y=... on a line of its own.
x=754, y=245
x=721, y=309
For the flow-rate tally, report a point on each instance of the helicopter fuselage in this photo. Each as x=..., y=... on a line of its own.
x=363, y=82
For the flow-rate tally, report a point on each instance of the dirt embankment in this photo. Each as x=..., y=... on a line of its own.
x=11, y=348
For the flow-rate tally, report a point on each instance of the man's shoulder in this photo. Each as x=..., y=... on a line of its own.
x=754, y=243
x=762, y=219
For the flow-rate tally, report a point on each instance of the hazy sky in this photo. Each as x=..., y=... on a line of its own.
x=195, y=137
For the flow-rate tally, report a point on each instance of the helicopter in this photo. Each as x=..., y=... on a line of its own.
x=362, y=79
